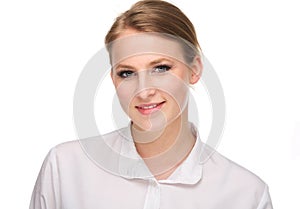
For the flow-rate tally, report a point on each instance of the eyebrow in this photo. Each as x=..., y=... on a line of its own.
x=123, y=66
x=153, y=62
x=159, y=60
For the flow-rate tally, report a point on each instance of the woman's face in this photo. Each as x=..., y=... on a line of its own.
x=152, y=86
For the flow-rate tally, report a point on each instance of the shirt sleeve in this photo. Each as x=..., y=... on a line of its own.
x=265, y=202
x=46, y=193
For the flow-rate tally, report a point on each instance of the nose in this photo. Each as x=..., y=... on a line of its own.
x=145, y=88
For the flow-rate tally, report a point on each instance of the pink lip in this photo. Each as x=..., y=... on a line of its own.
x=147, y=109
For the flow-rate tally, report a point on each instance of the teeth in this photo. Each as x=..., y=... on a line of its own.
x=148, y=107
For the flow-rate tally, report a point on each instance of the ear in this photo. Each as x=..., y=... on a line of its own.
x=196, y=69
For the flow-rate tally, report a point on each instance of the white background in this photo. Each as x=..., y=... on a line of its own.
x=253, y=46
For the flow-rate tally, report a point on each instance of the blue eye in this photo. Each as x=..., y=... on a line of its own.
x=125, y=73
x=161, y=68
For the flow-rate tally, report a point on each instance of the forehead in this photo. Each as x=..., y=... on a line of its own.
x=151, y=44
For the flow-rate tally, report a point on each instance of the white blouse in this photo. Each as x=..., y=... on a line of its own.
x=107, y=173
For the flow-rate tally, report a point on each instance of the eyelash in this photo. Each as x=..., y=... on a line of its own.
x=156, y=69
x=124, y=73
x=159, y=67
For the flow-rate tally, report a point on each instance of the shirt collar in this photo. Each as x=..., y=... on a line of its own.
x=131, y=165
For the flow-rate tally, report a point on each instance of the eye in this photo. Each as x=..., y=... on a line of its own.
x=126, y=73
x=161, y=68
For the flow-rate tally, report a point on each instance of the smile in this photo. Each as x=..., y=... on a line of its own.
x=147, y=109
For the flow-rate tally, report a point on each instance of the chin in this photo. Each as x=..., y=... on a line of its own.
x=153, y=122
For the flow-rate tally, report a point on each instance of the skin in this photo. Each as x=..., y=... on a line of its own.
x=153, y=91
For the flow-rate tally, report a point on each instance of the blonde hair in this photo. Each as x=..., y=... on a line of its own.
x=155, y=16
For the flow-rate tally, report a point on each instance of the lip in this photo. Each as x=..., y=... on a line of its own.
x=149, y=108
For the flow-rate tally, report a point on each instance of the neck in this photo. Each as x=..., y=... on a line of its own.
x=166, y=149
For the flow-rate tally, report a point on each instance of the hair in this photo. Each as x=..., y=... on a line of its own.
x=155, y=16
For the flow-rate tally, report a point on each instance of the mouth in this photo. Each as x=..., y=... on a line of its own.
x=147, y=109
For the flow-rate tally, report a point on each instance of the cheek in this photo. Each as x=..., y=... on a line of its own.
x=176, y=88
x=179, y=94
x=125, y=92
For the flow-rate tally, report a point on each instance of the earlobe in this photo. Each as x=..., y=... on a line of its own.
x=196, y=68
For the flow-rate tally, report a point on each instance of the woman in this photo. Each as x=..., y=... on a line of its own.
x=158, y=161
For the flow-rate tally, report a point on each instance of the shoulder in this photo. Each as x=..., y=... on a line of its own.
x=232, y=179
x=236, y=171
x=233, y=171
x=213, y=160
x=73, y=146
x=80, y=150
